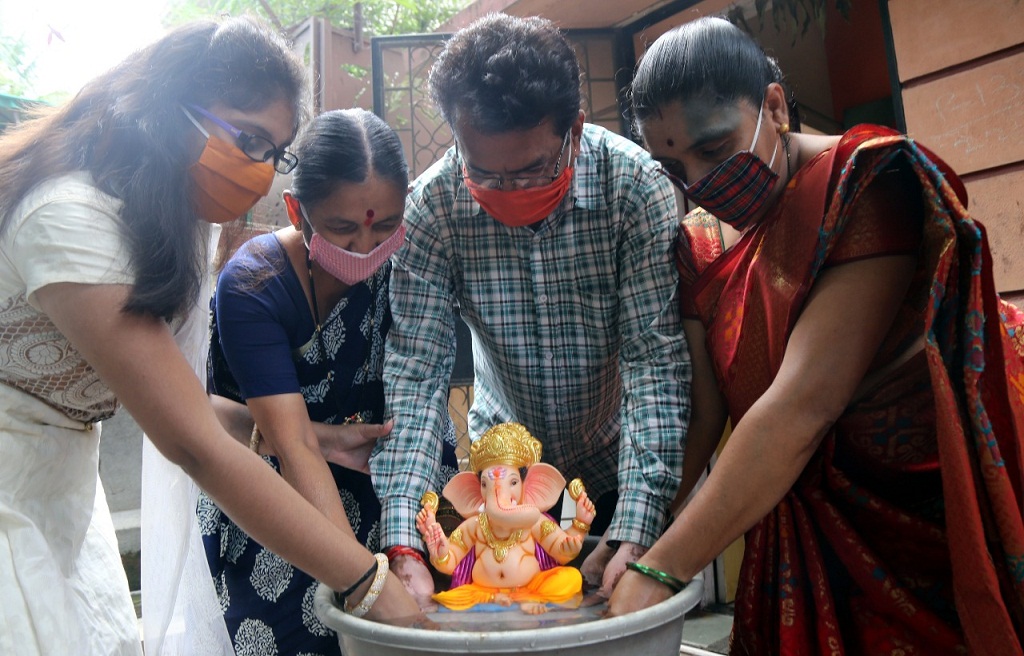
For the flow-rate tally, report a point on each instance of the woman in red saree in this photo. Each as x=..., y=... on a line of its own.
x=841, y=297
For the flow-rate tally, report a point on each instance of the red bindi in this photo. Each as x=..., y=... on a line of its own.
x=369, y=218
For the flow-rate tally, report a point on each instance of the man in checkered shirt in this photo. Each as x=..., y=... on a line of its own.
x=554, y=238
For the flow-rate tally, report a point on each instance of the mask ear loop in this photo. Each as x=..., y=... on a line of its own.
x=757, y=131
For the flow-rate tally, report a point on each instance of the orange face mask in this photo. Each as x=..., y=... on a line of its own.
x=521, y=207
x=227, y=182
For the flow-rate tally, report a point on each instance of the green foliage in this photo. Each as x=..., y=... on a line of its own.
x=795, y=16
x=380, y=17
x=15, y=73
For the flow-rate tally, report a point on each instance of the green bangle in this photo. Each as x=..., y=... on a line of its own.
x=673, y=584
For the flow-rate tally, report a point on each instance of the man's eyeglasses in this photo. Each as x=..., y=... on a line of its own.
x=502, y=183
x=255, y=147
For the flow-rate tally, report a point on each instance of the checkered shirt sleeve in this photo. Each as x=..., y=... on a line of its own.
x=576, y=335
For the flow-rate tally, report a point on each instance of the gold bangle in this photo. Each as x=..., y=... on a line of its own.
x=364, y=606
x=444, y=559
x=580, y=526
x=254, y=439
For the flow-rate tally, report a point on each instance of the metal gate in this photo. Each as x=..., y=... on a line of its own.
x=401, y=65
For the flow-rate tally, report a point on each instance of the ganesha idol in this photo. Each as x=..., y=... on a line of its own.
x=507, y=551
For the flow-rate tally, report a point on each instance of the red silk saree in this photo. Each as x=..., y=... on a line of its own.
x=904, y=533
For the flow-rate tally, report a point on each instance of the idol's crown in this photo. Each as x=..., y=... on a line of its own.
x=504, y=444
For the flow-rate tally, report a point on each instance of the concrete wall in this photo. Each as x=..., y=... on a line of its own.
x=961, y=67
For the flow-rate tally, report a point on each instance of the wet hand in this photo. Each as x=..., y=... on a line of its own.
x=416, y=579
x=635, y=592
x=594, y=565
x=626, y=553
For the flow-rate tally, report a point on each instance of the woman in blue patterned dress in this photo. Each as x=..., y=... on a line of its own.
x=299, y=322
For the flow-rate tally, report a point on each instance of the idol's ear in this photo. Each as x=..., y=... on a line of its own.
x=463, y=490
x=542, y=486
x=291, y=206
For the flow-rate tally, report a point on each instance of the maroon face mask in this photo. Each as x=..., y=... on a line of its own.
x=735, y=190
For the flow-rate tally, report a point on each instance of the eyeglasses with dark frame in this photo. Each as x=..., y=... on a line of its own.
x=255, y=147
x=501, y=182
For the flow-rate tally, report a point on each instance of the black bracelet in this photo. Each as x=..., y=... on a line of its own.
x=673, y=584
x=341, y=597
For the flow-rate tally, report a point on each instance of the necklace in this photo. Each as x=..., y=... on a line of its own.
x=499, y=547
x=360, y=416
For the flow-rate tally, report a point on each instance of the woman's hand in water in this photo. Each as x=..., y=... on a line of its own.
x=349, y=445
x=634, y=592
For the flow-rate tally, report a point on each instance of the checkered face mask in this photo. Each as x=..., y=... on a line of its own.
x=737, y=189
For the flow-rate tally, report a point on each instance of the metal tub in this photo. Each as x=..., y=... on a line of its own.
x=654, y=631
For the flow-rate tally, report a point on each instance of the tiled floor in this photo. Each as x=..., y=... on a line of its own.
x=706, y=631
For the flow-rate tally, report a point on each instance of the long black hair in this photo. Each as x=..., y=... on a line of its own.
x=708, y=58
x=127, y=129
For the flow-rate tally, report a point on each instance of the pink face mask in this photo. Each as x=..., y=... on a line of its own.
x=348, y=267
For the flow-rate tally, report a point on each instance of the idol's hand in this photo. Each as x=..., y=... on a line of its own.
x=585, y=511
x=433, y=535
x=571, y=545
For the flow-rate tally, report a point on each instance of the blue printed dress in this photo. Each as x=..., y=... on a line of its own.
x=264, y=342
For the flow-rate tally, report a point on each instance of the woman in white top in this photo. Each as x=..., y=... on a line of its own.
x=106, y=206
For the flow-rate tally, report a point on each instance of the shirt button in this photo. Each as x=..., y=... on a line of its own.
x=548, y=355
x=543, y=298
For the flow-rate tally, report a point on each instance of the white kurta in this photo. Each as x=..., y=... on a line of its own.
x=62, y=587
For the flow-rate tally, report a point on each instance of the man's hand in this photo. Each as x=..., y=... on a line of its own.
x=627, y=552
x=416, y=578
x=593, y=566
x=604, y=566
x=349, y=445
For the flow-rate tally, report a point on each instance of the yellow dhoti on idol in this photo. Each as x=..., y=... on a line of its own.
x=558, y=585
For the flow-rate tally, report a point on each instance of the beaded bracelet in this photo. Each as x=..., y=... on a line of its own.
x=364, y=606
x=673, y=584
x=341, y=597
